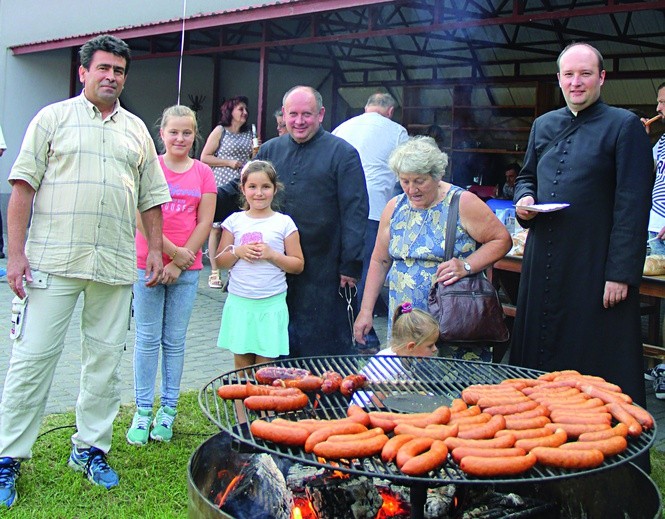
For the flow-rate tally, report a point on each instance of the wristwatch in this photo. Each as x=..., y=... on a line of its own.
x=467, y=267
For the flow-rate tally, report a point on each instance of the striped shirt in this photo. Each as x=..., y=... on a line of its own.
x=657, y=215
x=90, y=175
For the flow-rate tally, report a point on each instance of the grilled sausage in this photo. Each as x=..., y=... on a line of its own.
x=539, y=410
x=580, y=417
x=321, y=435
x=351, y=383
x=506, y=409
x=389, y=451
x=269, y=374
x=606, y=396
x=573, y=430
x=558, y=437
x=355, y=437
x=356, y=413
x=526, y=423
x=411, y=449
x=520, y=434
x=501, y=466
x=350, y=450
x=642, y=416
x=462, y=452
x=471, y=420
x=620, y=429
x=331, y=382
x=441, y=415
x=438, y=433
x=308, y=383
x=568, y=459
x=277, y=433
x=457, y=405
x=622, y=415
x=277, y=403
x=492, y=443
x=609, y=446
x=429, y=460
x=240, y=391
x=486, y=430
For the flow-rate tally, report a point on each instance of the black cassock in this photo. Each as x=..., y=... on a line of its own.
x=604, y=170
x=325, y=194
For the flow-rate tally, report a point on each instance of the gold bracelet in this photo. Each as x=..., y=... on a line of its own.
x=175, y=252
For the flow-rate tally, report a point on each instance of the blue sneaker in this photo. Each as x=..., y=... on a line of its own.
x=9, y=471
x=659, y=388
x=92, y=462
x=655, y=373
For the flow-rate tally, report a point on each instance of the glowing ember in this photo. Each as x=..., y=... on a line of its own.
x=392, y=505
x=220, y=499
x=302, y=509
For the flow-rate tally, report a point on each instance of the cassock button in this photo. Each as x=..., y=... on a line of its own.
x=555, y=182
x=558, y=172
x=552, y=194
x=548, y=266
x=561, y=161
x=568, y=141
x=549, y=242
x=547, y=278
x=549, y=254
x=292, y=182
x=565, y=152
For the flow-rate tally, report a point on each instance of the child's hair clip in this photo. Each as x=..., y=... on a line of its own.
x=406, y=308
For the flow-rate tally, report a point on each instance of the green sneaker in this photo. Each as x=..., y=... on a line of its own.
x=138, y=432
x=162, y=425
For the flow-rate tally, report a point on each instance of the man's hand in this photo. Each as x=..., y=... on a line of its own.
x=614, y=293
x=347, y=281
x=153, y=268
x=17, y=267
x=523, y=213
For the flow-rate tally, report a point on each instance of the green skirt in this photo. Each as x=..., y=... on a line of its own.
x=258, y=326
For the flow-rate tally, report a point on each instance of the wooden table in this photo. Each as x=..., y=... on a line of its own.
x=505, y=274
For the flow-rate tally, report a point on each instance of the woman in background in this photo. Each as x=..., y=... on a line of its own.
x=228, y=148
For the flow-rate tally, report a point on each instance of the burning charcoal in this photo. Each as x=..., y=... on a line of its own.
x=258, y=492
x=439, y=501
x=299, y=474
x=335, y=497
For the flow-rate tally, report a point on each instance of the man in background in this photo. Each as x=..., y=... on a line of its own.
x=325, y=194
x=281, y=125
x=85, y=168
x=375, y=136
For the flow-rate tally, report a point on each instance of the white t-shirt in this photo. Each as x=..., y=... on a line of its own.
x=375, y=137
x=259, y=279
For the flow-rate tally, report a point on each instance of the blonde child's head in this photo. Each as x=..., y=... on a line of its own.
x=414, y=332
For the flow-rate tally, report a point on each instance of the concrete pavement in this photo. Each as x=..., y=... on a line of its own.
x=204, y=361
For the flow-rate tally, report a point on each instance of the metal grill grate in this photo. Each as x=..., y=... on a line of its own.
x=387, y=376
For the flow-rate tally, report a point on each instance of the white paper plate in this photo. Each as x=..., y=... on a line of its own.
x=544, y=208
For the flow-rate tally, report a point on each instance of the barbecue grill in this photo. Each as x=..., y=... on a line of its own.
x=388, y=376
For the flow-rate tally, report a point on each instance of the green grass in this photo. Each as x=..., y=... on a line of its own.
x=153, y=479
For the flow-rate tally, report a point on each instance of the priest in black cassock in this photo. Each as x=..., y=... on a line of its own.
x=578, y=305
x=326, y=195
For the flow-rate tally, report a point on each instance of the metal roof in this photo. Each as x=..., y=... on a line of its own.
x=365, y=43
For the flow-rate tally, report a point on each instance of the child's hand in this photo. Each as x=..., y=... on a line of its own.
x=171, y=273
x=250, y=252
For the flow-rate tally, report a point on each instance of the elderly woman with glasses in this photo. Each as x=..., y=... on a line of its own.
x=410, y=243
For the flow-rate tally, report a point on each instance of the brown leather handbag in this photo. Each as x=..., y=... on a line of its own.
x=468, y=310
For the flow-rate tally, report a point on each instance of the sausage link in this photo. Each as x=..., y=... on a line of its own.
x=331, y=382
x=579, y=417
x=392, y=446
x=427, y=461
x=492, y=400
x=437, y=433
x=573, y=430
x=277, y=433
x=606, y=396
x=441, y=415
x=486, y=430
x=642, y=416
x=471, y=420
x=609, y=446
x=411, y=449
x=350, y=450
x=622, y=415
x=500, y=466
x=353, y=437
x=520, y=434
x=269, y=374
x=457, y=405
x=492, y=443
x=559, y=437
x=321, y=435
x=356, y=413
x=351, y=383
x=620, y=429
x=568, y=459
x=507, y=409
x=526, y=423
x=277, y=403
x=462, y=452
x=309, y=383
x=469, y=411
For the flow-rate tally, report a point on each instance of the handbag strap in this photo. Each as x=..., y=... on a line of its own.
x=451, y=224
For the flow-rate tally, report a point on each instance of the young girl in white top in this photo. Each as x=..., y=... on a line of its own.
x=259, y=246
